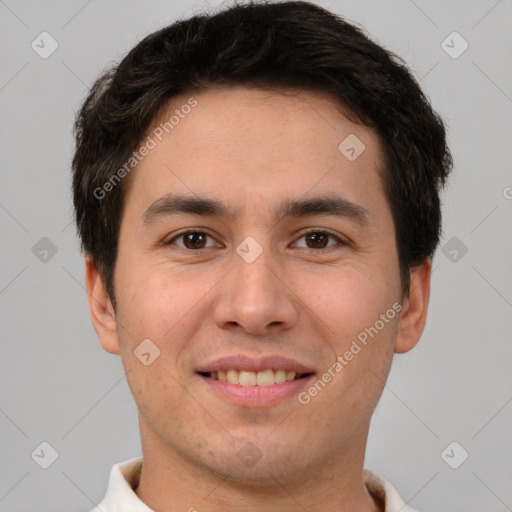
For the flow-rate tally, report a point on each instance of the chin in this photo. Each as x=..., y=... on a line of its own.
x=258, y=463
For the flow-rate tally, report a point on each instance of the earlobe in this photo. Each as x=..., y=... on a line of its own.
x=102, y=313
x=414, y=312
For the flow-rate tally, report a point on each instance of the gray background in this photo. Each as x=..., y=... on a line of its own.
x=59, y=386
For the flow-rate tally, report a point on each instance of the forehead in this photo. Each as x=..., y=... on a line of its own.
x=257, y=146
x=254, y=116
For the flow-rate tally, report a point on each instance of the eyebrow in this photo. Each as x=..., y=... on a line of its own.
x=173, y=204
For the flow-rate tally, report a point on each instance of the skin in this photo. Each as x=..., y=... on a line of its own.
x=252, y=149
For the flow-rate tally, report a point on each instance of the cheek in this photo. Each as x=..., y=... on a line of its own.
x=167, y=307
x=157, y=301
x=349, y=308
x=346, y=301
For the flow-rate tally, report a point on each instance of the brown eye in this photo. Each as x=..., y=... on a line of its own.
x=320, y=240
x=192, y=240
x=317, y=240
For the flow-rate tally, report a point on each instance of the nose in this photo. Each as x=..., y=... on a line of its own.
x=255, y=298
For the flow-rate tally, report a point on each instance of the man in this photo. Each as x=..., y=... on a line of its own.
x=256, y=194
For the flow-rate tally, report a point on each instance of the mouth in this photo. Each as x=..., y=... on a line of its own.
x=267, y=377
x=254, y=382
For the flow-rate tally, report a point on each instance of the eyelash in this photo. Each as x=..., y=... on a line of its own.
x=313, y=231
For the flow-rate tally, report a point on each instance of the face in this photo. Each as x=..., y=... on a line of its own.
x=258, y=256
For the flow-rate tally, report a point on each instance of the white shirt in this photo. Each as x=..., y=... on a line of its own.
x=120, y=496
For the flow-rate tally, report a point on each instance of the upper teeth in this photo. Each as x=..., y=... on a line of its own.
x=244, y=378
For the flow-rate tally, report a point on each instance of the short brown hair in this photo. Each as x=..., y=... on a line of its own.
x=282, y=45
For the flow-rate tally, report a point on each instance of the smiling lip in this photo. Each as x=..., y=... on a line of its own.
x=251, y=364
x=255, y=396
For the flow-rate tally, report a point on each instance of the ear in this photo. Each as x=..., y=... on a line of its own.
x=102, y=313
x=414, y=312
